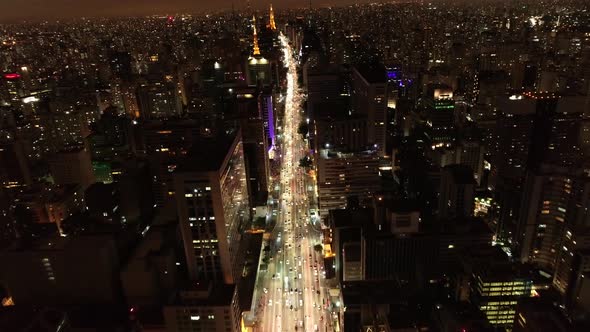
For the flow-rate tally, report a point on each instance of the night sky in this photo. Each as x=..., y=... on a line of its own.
x=11, y=10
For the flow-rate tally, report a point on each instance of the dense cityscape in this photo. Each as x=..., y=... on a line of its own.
x=381, y=167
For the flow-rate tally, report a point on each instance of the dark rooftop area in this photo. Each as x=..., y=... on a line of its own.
x=207, y=154
x=372, y=73
x=462, y=174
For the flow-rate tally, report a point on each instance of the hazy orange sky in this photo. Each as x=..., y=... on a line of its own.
x=11, y=10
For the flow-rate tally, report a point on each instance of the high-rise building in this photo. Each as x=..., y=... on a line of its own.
x=457, y=192
x=159, y=99
x=72, y=166
x=344, y=175
x=496, y=284
x=370, y=97
x=165, y=144
x=545, y=200
x=54, y=267
x=441, y=114
x=204, y=307
x=212, y=199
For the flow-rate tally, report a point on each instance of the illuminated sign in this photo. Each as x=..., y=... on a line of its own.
x=12, y=76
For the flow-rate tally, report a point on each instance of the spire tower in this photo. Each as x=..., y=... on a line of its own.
x=273, y=25
x=256, y=50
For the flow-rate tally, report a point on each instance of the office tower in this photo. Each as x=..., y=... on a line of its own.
x=370, y=97
x=457, y=192
x=545, y=200
x=572, y=262
x=63, y=271
x=533, y=128
x=324, y=85
x=441, y=114
x=212, y=199
x=408, y=256
x=573, y=265
x=496, y=284
x=159, y=98
x=343, y=175
x=345, y=233
x=72, y=166
x=340, y=130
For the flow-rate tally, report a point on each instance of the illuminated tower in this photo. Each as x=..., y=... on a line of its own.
x=255, y=35
x=273, y=26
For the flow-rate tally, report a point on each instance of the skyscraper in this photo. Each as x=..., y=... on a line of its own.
x=212, y=201
x=370, y=98
x=457, y=192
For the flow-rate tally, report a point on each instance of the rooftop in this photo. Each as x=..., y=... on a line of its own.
x=461, y=174
x=208, y=154
x=373, y=74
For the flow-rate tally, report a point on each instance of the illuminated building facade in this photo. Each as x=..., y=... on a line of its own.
x=498, y=298
x=496, y=284
x=258, y=71
x=213, y=207
x=343, y=175
x=441, y=120
x=545, y=200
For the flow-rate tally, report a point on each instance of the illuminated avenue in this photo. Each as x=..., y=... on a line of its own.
x=293, y=295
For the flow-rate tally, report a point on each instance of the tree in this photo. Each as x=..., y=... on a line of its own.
x=305, y=162
x=303, y=129
x=318, y=247
x=259, y=222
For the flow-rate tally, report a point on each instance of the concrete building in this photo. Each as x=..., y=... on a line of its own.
x=159, y=99
x=59, y=270
x=204, y=307
x=72, y=166
x=344, y=175
x=212, y=201
x=496, y=284
x=457, y=192
x=370, y=97
x=545, y=200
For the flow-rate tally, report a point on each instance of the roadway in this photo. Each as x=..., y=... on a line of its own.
x=291, y=294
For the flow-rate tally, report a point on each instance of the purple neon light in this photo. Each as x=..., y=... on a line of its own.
x=271, y=122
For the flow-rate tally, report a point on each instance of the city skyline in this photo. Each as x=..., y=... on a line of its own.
x=403, y=166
